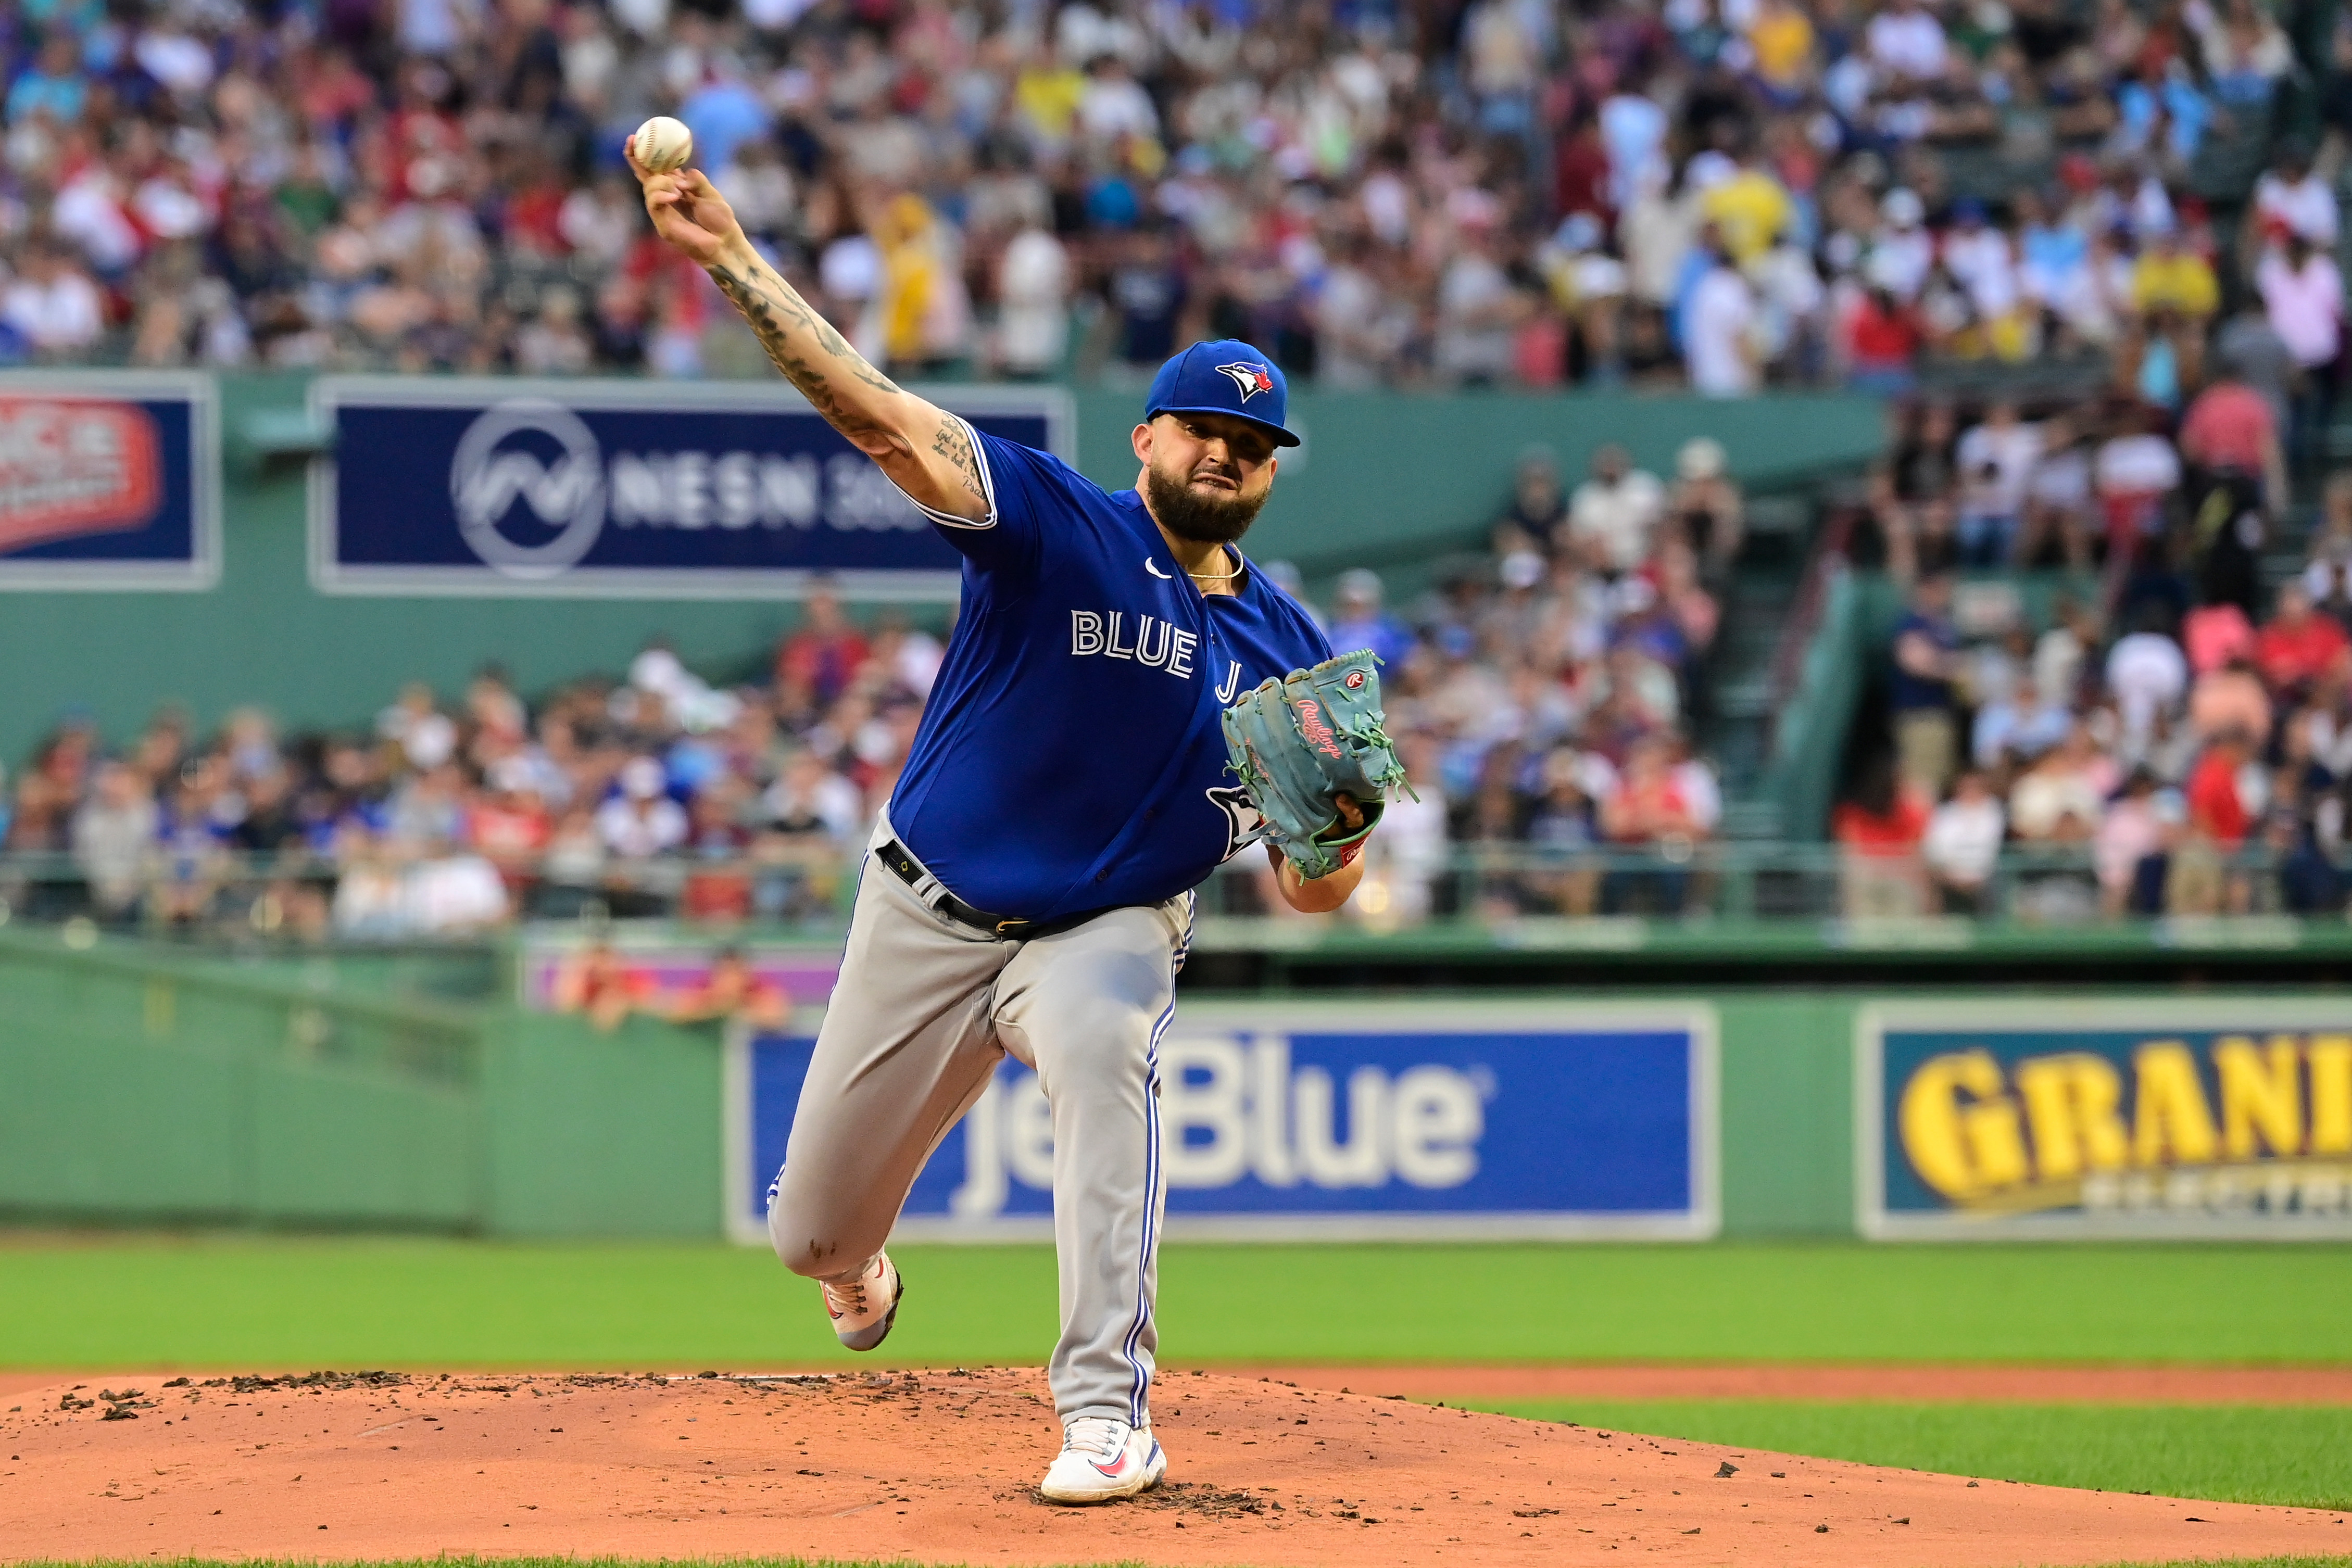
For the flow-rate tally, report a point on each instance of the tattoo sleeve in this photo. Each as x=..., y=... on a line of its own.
x=953, y=444
x=813, y=356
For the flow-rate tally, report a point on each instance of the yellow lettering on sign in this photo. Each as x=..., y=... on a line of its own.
x=2330, y=1056
x=2073, y=1107
x=1962, y=1149
x=2171, y=1123
x=2262, y=1095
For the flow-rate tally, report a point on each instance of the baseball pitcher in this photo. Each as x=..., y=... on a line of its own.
x=1077, y=774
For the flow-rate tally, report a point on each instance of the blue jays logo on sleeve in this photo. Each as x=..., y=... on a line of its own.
x=1243, y=819
x=1248, y=379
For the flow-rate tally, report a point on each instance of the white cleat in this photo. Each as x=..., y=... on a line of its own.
x=1102, y=1461
x=865, y=1304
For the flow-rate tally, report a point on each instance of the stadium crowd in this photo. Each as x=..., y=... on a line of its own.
x=2187, y=725
x=1712, y=192
x=1541, y=695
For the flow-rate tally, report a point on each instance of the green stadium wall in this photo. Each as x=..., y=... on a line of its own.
x=138, y=1089
x=1384, y=480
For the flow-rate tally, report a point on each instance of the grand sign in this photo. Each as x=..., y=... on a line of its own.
x=2184, y=1118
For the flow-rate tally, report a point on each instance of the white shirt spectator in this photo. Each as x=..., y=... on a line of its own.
x=1634, y=130
x=1722, y=310
x=1033, y=283
x=639, y=829
x=1963, y=839
x=2306, y=304
x=459, y=892
x=1907, y=42
x=2306, y=205
x=1980, y=259
x=1617, y=519
x=1996, y=464
x=2148, y=673
x=56, y=314
x=90, y=212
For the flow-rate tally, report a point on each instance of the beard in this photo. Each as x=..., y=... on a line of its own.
x=1203, y=519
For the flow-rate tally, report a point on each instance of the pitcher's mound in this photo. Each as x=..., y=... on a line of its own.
x=940, y=1467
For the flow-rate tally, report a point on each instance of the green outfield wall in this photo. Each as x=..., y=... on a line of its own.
x=1382, y=480
x=138, y=1090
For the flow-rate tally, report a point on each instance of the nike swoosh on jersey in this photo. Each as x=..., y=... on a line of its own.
x=1153, y=568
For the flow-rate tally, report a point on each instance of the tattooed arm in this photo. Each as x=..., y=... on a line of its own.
x=923, y=449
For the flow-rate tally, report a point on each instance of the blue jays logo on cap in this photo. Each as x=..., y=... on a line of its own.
x=1223, y=377
x=1251, y=379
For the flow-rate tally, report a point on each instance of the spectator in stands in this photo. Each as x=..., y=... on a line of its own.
x=1920, y=689
x=2327, y=568
x=825, y=652
x=113, y=835
x=1358, y=620
x=1705, y=506
x=2299, y=647
x=2302, y=294
x=2201, y=879
x=1879, y=832
x=1995, y=461
x=2240, y=472
x=1962, y=844
x=1538, y=508
x=2230, y=699
x=1613, y=514
x=2131, y=848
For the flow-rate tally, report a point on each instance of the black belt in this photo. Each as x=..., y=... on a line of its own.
x=909, y=869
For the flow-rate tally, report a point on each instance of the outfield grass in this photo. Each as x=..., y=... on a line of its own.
x=2300, y=1456
x=214, y=1302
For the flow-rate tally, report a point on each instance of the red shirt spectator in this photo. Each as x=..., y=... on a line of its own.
x=1893, y=833
x=825, y=653
x=2213, y=634
x=2229, y=426
x=1881, y=335
x=2299, y=645
x=2215, y=809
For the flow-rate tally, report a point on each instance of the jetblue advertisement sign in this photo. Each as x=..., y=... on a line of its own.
x=109, y=481
x=2188, y=1120
x=625, y=489
x=1281, y=1120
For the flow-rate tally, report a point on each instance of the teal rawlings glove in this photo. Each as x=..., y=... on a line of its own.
x=1298, y=742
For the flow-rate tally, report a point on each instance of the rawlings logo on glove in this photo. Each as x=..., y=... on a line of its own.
x=1299, y=744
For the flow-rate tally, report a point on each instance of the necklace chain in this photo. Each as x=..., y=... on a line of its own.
x=1214, y=576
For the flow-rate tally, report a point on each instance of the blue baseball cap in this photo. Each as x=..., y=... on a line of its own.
x=1224, y=377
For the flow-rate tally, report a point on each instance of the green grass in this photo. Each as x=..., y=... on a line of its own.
x=213, y=1301
x=2234, y=1453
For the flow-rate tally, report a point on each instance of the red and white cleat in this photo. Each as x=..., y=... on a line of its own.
x=1103, y=1460
x=865, y=1304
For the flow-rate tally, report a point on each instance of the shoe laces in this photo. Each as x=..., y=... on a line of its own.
x=1096, y=1434
x=846, y=1297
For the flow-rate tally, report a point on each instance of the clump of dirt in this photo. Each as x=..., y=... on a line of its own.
x=942, y=1466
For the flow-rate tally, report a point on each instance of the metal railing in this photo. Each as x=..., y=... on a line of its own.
x=301, y=900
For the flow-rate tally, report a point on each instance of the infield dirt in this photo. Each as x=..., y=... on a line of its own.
x=941, y=1466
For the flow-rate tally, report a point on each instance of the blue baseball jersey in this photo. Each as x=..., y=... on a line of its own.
x=1071, y=756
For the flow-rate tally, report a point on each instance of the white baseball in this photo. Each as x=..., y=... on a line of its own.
x=664, y=144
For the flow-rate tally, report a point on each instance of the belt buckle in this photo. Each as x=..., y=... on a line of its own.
x=1007, y=927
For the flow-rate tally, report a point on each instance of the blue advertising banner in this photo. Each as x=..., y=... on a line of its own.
x=625, y=489
x=1282, y=1120
x=110, y=481
x=2184, y=1118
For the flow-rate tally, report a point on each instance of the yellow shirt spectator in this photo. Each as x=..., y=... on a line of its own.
x=2169, y=278
x=1750, y=210
x=1782, y=39
x=1047, y=95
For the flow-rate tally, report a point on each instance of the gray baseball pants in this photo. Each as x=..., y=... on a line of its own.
x=924, y=1010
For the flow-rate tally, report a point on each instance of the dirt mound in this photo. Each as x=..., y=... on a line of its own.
x=942, y=1466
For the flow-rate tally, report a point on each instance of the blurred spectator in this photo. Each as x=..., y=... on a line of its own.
x=1613, y=513
x=1358, y=620
x=1962, y=844
x=1705, y=505
x=1920, y=689
x=1879, y=832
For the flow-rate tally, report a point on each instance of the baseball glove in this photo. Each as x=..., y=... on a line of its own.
x=1298, y=743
